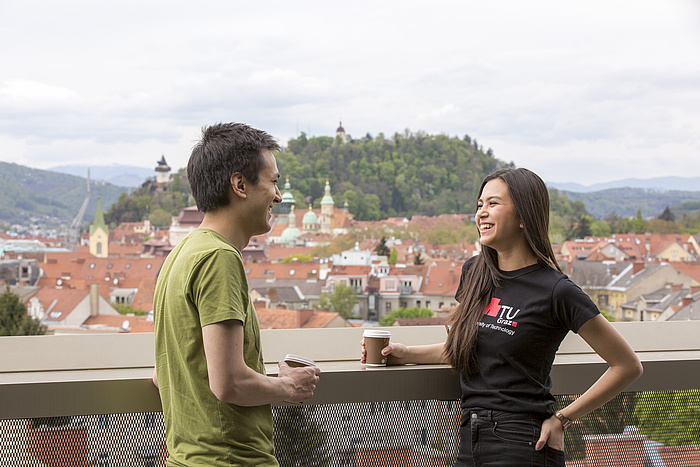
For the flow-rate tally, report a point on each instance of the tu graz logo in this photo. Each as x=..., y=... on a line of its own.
x=504, y=314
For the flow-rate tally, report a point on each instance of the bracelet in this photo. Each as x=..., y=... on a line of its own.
x=565, y=422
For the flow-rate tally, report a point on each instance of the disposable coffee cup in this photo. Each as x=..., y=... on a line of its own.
x=375, y=341
x=298, y=360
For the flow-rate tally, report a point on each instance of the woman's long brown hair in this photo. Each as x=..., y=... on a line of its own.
x=531, y=201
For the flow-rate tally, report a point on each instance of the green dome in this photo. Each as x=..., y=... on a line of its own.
x=287, y=196
x=309, y=218
x=327, y=198
x=289, y=234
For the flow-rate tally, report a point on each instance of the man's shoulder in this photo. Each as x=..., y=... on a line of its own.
x=202, y=242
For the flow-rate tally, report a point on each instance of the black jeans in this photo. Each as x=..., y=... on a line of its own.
x=489, y=438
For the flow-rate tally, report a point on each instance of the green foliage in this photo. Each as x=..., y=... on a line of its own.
x=126, y=309
x=300, y=441
x=393, y=257
x=667, y=215
x=607, y=316
x=381, y=249
x=612, y=418
x=14, y=319
x=670, y=417
x=418, y=259
x=302, y=258
x=626, y=201
x=341, y=300
x=148, y=201
x=411, y=312
x=49, y=196
x=402, y=176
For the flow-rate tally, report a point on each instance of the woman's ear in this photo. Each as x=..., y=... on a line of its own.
x=239, y=185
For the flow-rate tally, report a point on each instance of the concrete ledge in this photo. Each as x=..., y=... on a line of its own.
x=44, y=376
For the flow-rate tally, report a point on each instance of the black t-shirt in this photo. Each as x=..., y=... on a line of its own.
x=519, y=334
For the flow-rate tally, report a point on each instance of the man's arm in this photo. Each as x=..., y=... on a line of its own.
x=231, y=380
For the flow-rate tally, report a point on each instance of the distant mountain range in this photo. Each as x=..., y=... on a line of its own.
x=30, y=196
x=27, y=193
x=133, y=176
x=657, y=183
x=118, y=175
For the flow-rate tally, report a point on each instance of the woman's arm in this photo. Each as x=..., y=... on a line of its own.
x=400, y=354
x=624, y=368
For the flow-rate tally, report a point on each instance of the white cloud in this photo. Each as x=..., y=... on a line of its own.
x=608, y=86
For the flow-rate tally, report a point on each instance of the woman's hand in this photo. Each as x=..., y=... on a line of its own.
x=396, y=353
x=552, y=434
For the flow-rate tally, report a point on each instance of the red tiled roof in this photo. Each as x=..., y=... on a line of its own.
x=59, y=300
x=690, y=269
x=281, y=270
x=136, y=323
x=442, y=279
x=281, y=252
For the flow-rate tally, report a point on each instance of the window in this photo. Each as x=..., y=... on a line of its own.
x=390, y=284
x=291, y=272
x=110, y=266
x=356, y=283
x=92, y=265
x=418, y=303
x=148, y=266
x=128, y=265
x=388, y=307
x=427, y=303
x=99, y=249
x=603, y=300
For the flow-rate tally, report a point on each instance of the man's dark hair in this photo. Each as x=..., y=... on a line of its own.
x=225, y=148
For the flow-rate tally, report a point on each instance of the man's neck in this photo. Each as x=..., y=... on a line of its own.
x=224, y=223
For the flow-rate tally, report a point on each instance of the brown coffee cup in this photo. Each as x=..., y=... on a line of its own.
x=375, y=341
x=298, y=360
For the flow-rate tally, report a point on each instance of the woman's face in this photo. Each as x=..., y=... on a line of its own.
x=496, y=218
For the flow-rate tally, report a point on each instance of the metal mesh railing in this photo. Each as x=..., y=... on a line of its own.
x=636, y=429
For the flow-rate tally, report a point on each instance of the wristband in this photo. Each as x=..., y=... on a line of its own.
x=565, y=422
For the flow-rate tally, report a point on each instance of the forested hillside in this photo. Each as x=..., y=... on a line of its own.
x=51, y=198
x=149, y=201
x=405, y=175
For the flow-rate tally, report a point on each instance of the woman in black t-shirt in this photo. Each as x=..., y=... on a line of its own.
x=515, y=308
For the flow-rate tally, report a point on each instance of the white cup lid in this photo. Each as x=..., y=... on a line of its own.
x=290, y=357
x=381, y=333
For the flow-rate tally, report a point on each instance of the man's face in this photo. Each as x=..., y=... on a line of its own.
x=263, y=195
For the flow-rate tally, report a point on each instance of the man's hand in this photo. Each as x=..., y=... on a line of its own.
x=300, y=382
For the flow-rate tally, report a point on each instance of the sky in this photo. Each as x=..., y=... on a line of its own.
x=586, y=91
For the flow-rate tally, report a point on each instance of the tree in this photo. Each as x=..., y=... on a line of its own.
x=418, y=260
x=667, y=215
x=393, y=257
x=14, y=319
x=342, y=300
x=381, y=249
x=412, y=312
x=299, y=439
x=583, y=228
x=670, y=417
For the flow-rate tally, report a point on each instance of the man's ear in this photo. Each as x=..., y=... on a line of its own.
x=239, y=185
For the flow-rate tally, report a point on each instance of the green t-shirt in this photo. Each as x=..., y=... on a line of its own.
x=202, y=282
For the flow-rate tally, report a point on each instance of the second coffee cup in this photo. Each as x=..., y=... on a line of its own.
x=375, y=341
x=298, y=360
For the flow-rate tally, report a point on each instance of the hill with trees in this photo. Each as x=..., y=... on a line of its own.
x=49, y=198
x=405, y=175
x=151, y=201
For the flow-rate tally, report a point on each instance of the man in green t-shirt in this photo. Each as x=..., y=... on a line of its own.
x=209, y=368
